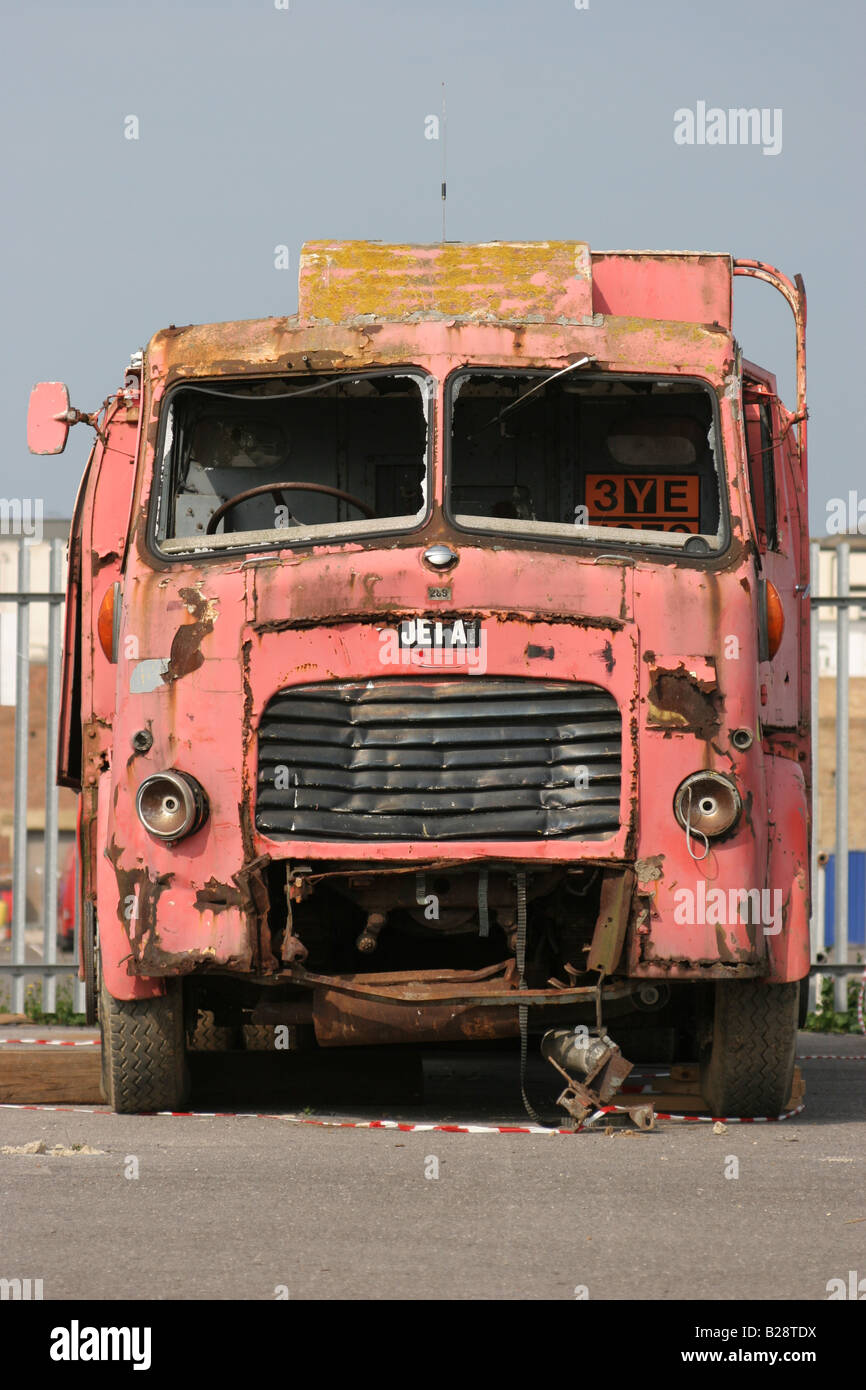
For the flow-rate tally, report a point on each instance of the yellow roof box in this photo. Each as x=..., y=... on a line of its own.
x=485, y=282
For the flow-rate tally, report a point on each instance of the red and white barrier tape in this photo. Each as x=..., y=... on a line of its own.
x=95, y=1042
x=399, y=1126
x=705, y=1119
x=832, y=1057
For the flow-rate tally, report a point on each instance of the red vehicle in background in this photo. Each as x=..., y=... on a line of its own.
x=437, y=668
x=66, y=902
x=5, y=913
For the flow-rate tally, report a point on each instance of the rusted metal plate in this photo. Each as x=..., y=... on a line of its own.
x=455, y=988
x=341, y=1020
x=613, y=916
x=498, y=281
x=691, y=287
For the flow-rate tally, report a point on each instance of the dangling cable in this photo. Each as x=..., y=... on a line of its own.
x=690, y=830
x=522, y=1010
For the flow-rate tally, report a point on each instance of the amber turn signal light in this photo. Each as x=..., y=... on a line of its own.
x=108, y=621
x=771, y=620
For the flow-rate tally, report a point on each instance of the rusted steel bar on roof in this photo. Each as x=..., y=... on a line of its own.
x=795, y=293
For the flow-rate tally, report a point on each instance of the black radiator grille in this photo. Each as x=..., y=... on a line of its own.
x=440, y=760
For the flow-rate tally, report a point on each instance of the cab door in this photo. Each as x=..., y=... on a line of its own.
x=779, y=506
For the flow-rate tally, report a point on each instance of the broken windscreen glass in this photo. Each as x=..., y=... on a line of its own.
x=586, y=457
x=281, y=461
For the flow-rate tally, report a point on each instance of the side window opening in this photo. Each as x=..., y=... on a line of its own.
x=760, y=450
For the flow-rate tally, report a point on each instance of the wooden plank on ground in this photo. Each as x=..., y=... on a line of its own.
x=681, y=1094
x=49, y=1075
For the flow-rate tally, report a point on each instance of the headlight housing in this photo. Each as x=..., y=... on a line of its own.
x=171, y=805
x=708, y=803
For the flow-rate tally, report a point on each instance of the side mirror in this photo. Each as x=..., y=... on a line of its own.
x=48, y=418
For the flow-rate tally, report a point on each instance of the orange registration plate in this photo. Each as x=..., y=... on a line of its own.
x=655, y=502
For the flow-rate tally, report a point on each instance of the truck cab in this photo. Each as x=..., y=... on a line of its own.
x=436, y=669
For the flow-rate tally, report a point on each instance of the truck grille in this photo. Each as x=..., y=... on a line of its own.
x=440, y=760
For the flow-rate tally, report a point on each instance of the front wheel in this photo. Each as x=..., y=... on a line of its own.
x=144, y=1051
x=747, y=1062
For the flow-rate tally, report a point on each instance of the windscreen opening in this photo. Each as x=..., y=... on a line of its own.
x=579, y=456
x=288, y=460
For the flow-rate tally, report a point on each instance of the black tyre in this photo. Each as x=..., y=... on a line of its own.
x=803, y=1012
x=260, y=1037
x=747, y=1062
x=143, y=1051
x=209, y=1036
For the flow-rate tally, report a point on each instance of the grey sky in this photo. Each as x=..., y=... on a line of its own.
x=261, y=126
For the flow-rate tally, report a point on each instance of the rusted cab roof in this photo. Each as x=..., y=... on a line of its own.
x=404, y=293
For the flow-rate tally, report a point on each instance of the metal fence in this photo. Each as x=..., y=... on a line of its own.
x=842, y=601
x=37, y=958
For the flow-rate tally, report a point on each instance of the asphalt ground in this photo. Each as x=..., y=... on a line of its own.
x=250, y=1207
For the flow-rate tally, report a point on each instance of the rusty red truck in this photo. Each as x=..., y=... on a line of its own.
x=437, y=668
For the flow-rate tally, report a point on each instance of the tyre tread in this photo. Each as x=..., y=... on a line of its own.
x=143, y=1046
x=750, y=1068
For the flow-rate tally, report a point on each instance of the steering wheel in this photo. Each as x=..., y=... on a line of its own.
x=283, y=487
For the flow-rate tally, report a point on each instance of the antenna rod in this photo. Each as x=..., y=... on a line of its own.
x=444, y=160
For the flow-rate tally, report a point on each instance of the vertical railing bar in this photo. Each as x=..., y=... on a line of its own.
x=19, y=800
x=816, y=925
x=843, y=556
x=820, y=891
x=77, y=985
x=52, y=707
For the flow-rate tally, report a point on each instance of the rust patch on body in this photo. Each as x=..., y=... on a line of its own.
x=185, y=655
x=98, y=560
x=216, y=897
x=726, y=956
x=138, y=895
x=680, y=700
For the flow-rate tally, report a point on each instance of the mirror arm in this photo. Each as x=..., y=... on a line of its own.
x=81, y=417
